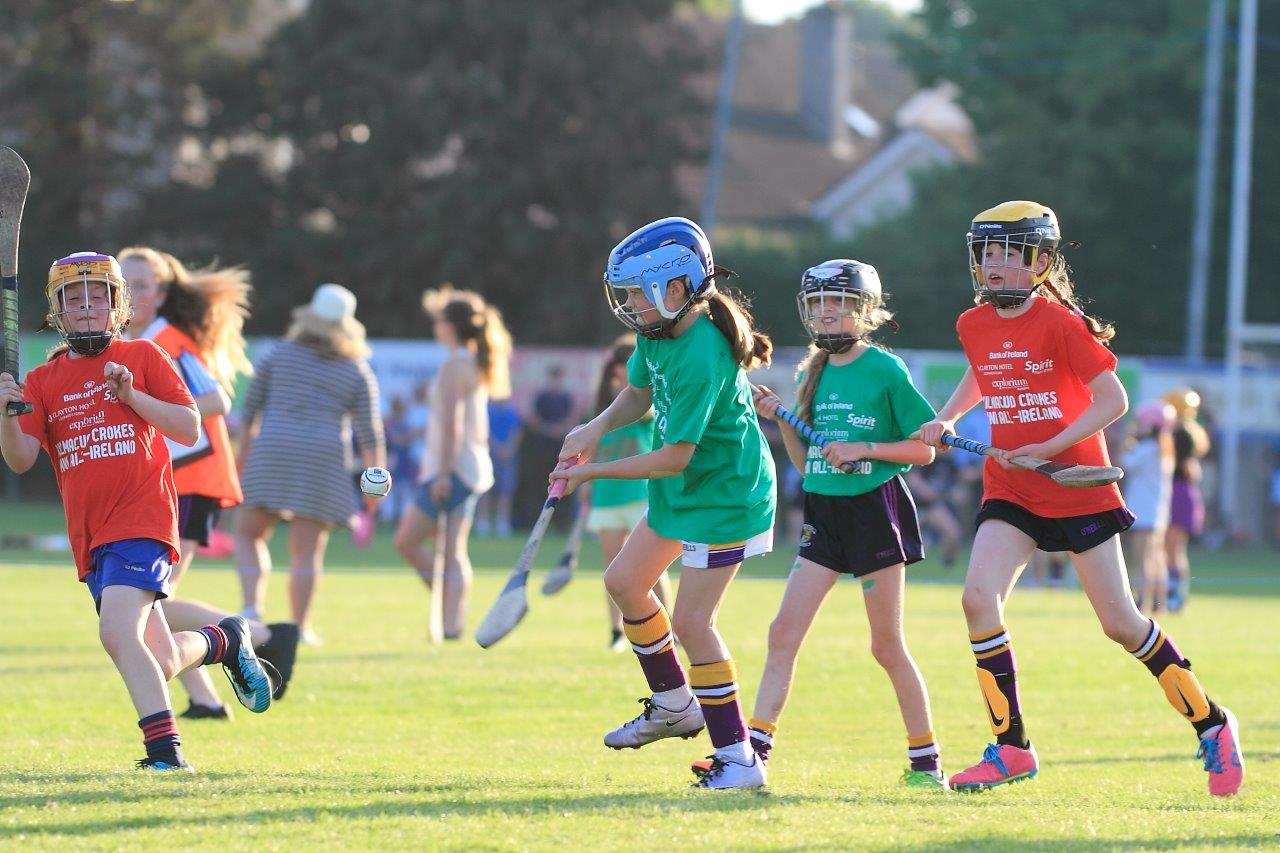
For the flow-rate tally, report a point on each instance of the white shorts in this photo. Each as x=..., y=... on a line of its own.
x=620, y=517
x=699, y=556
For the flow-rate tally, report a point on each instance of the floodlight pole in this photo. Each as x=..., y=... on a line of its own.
x=1238, y=262
x=724, y=111
x=1206, y=176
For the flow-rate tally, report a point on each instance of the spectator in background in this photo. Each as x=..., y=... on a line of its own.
x=1275, y=504
x=296, y=447
x=505, y=432
x=1186, y=516
x=456, y=468
x=552, y=413
x=402, y=452
x=1148, y=486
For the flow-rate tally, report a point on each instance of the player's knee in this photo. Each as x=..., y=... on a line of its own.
x=405, y=544
x=617, y=587
x=691, y=623
x=784, y=636
x=118, y=643
x=977, y=603
x=1128, y=632
x=889, y=652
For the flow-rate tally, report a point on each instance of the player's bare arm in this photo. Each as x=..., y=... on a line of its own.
x=19, y=449
x=630, y=405
x=965, y=397
x=1110, y=402
x=214, y=403
x=176, y=421
x=767, y=403
x=667, y=461
x=907, y=452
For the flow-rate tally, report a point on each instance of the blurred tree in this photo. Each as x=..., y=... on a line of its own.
x=503, y=147
x=1091, y=107
x=96, y=98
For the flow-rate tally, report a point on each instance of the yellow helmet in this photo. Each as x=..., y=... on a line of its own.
x=85, y=268
x=1029, y=227
x=1185, y=401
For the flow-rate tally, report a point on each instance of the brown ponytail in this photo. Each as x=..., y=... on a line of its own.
x=476, y=321
x=730, y=311
x=811, y=367
x=1062, y=289
x=619, y=354
x=210, y=305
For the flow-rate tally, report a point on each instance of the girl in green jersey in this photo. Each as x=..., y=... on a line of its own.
x=860, y=523
x=616, y=506
x=711, y=485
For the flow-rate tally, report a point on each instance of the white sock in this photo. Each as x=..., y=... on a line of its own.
x=739, y=752
x=676, y=699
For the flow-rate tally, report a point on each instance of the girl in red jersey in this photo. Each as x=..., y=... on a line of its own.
x=102, y=408
x=197, y=318
x=1048, y=383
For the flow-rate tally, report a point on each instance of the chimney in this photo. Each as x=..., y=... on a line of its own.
x=826, y=47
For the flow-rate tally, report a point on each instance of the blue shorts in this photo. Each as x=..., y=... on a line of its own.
x=461, y=499
x=139, y=563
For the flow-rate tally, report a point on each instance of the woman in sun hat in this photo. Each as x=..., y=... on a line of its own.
x=309, y=393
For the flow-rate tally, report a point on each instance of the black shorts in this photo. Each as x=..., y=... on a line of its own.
x=197, y=516
x=1075, y=533
x=860, y=534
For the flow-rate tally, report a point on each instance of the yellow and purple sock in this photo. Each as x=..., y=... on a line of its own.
x=160, y=737
x=923, y=753
x=654, y=645
x=716, y=687
x=998, y=678
x=1181, y=687
x=761, y=732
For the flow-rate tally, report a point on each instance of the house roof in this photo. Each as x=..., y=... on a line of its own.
x=775, y=170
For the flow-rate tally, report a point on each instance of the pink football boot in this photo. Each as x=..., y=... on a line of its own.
x=1000, y=763
x=1223, y=758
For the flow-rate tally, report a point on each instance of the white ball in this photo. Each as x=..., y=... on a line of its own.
x=375, y=481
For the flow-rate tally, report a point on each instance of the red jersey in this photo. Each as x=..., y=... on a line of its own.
x=112, y=465
x=215, y=475
x=1034, y=372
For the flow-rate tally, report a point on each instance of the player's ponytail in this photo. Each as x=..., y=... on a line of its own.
x=730, y=311
x=811, y=368
x=1062, y=289
x=209, y=305
x=479, y=324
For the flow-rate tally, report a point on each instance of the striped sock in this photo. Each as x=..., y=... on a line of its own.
x=160, y=737
x=654, y=645
x=923, y=752
x=716, y=686
x=761, y=732
x=1181, y=687
x=998, y=678
x=217, y=639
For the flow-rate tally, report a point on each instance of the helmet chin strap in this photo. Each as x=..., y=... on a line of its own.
x=1008, y=299
x=89, y=343
x=835, y=344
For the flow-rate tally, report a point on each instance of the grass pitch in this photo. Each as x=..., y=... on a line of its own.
x=386, y=743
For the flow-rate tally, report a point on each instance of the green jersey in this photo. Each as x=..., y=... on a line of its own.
x=701, y=395
x=630, y=440
x=870, y=399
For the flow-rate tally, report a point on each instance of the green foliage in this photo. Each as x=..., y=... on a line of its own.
x=501, y=147
x=94, y=97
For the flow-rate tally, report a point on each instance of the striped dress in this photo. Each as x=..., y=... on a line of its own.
x=301, y=461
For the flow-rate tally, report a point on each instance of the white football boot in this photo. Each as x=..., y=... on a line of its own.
x=656, y=723
x=726, y=772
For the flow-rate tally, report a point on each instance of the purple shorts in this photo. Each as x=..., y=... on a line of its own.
x=1187, y=510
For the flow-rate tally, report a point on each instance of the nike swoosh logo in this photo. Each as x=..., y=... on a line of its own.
x=1187, y=713
x=675, y=723
x=991, y=712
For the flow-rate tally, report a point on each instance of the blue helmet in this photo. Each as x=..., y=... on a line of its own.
x=648, y=260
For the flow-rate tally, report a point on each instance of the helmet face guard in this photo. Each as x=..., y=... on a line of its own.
x=833, y=293
x=646, y=264
x=1006, y=244
x=70, y=300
